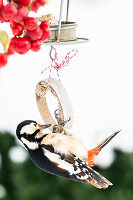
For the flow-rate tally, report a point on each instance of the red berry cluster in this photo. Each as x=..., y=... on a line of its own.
x=28, y=32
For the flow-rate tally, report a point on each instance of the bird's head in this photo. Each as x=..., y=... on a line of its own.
x=30, y=133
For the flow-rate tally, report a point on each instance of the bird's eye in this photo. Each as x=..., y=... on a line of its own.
x=35, y=124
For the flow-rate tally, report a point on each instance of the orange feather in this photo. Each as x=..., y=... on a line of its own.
x=92, y=154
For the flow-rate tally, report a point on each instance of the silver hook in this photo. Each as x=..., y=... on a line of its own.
x=52, y=53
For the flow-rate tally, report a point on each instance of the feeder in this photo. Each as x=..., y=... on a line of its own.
x=64, y=104
x=65, y=31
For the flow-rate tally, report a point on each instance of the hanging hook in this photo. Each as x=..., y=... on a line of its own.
x=52, y=53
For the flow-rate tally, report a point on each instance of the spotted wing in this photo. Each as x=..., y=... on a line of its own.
x=73, y=168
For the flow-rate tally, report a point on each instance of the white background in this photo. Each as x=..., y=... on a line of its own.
x=99, y=79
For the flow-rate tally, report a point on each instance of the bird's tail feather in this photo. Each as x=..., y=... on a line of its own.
x=92, y=153
x=86, y=174
x=98, y=180
x=107, y=140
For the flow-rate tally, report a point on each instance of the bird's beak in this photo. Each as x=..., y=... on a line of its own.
x=44, y=126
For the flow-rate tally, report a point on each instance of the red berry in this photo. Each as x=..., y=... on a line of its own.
x=15, y=1
x=44, y=25
x=2, y=19
x=41, y=2
x=10, y=52
x=9, y=11
x=3, y=59
x=20, y=45
x=35, y=6
x=22, y=14
x=17, y=19
x=34, y=35
x=24, y=2
x=36, y=45
x=14, y=23
x=30, y=23
x=1, y=4
x=17, y=29
x=12, y=43
x=23, y=11
x=45, y=35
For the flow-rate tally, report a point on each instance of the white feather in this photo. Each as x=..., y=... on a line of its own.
x=61, y=163
x=30, y=145
x=28, y=129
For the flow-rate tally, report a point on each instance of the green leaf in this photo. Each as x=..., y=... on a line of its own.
x=4, y=39
x=29, y=7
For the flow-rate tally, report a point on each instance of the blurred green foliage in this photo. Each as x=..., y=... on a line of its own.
x=24, y=181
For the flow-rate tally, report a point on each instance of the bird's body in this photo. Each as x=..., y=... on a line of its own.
x=62, y=155
x=66, y=145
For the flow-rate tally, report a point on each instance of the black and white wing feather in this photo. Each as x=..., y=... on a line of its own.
x=73, y=168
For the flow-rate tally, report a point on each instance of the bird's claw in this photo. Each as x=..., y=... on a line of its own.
x=59, y=120
x=56, y=114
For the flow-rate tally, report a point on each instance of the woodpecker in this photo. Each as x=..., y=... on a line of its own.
x=61, y=154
